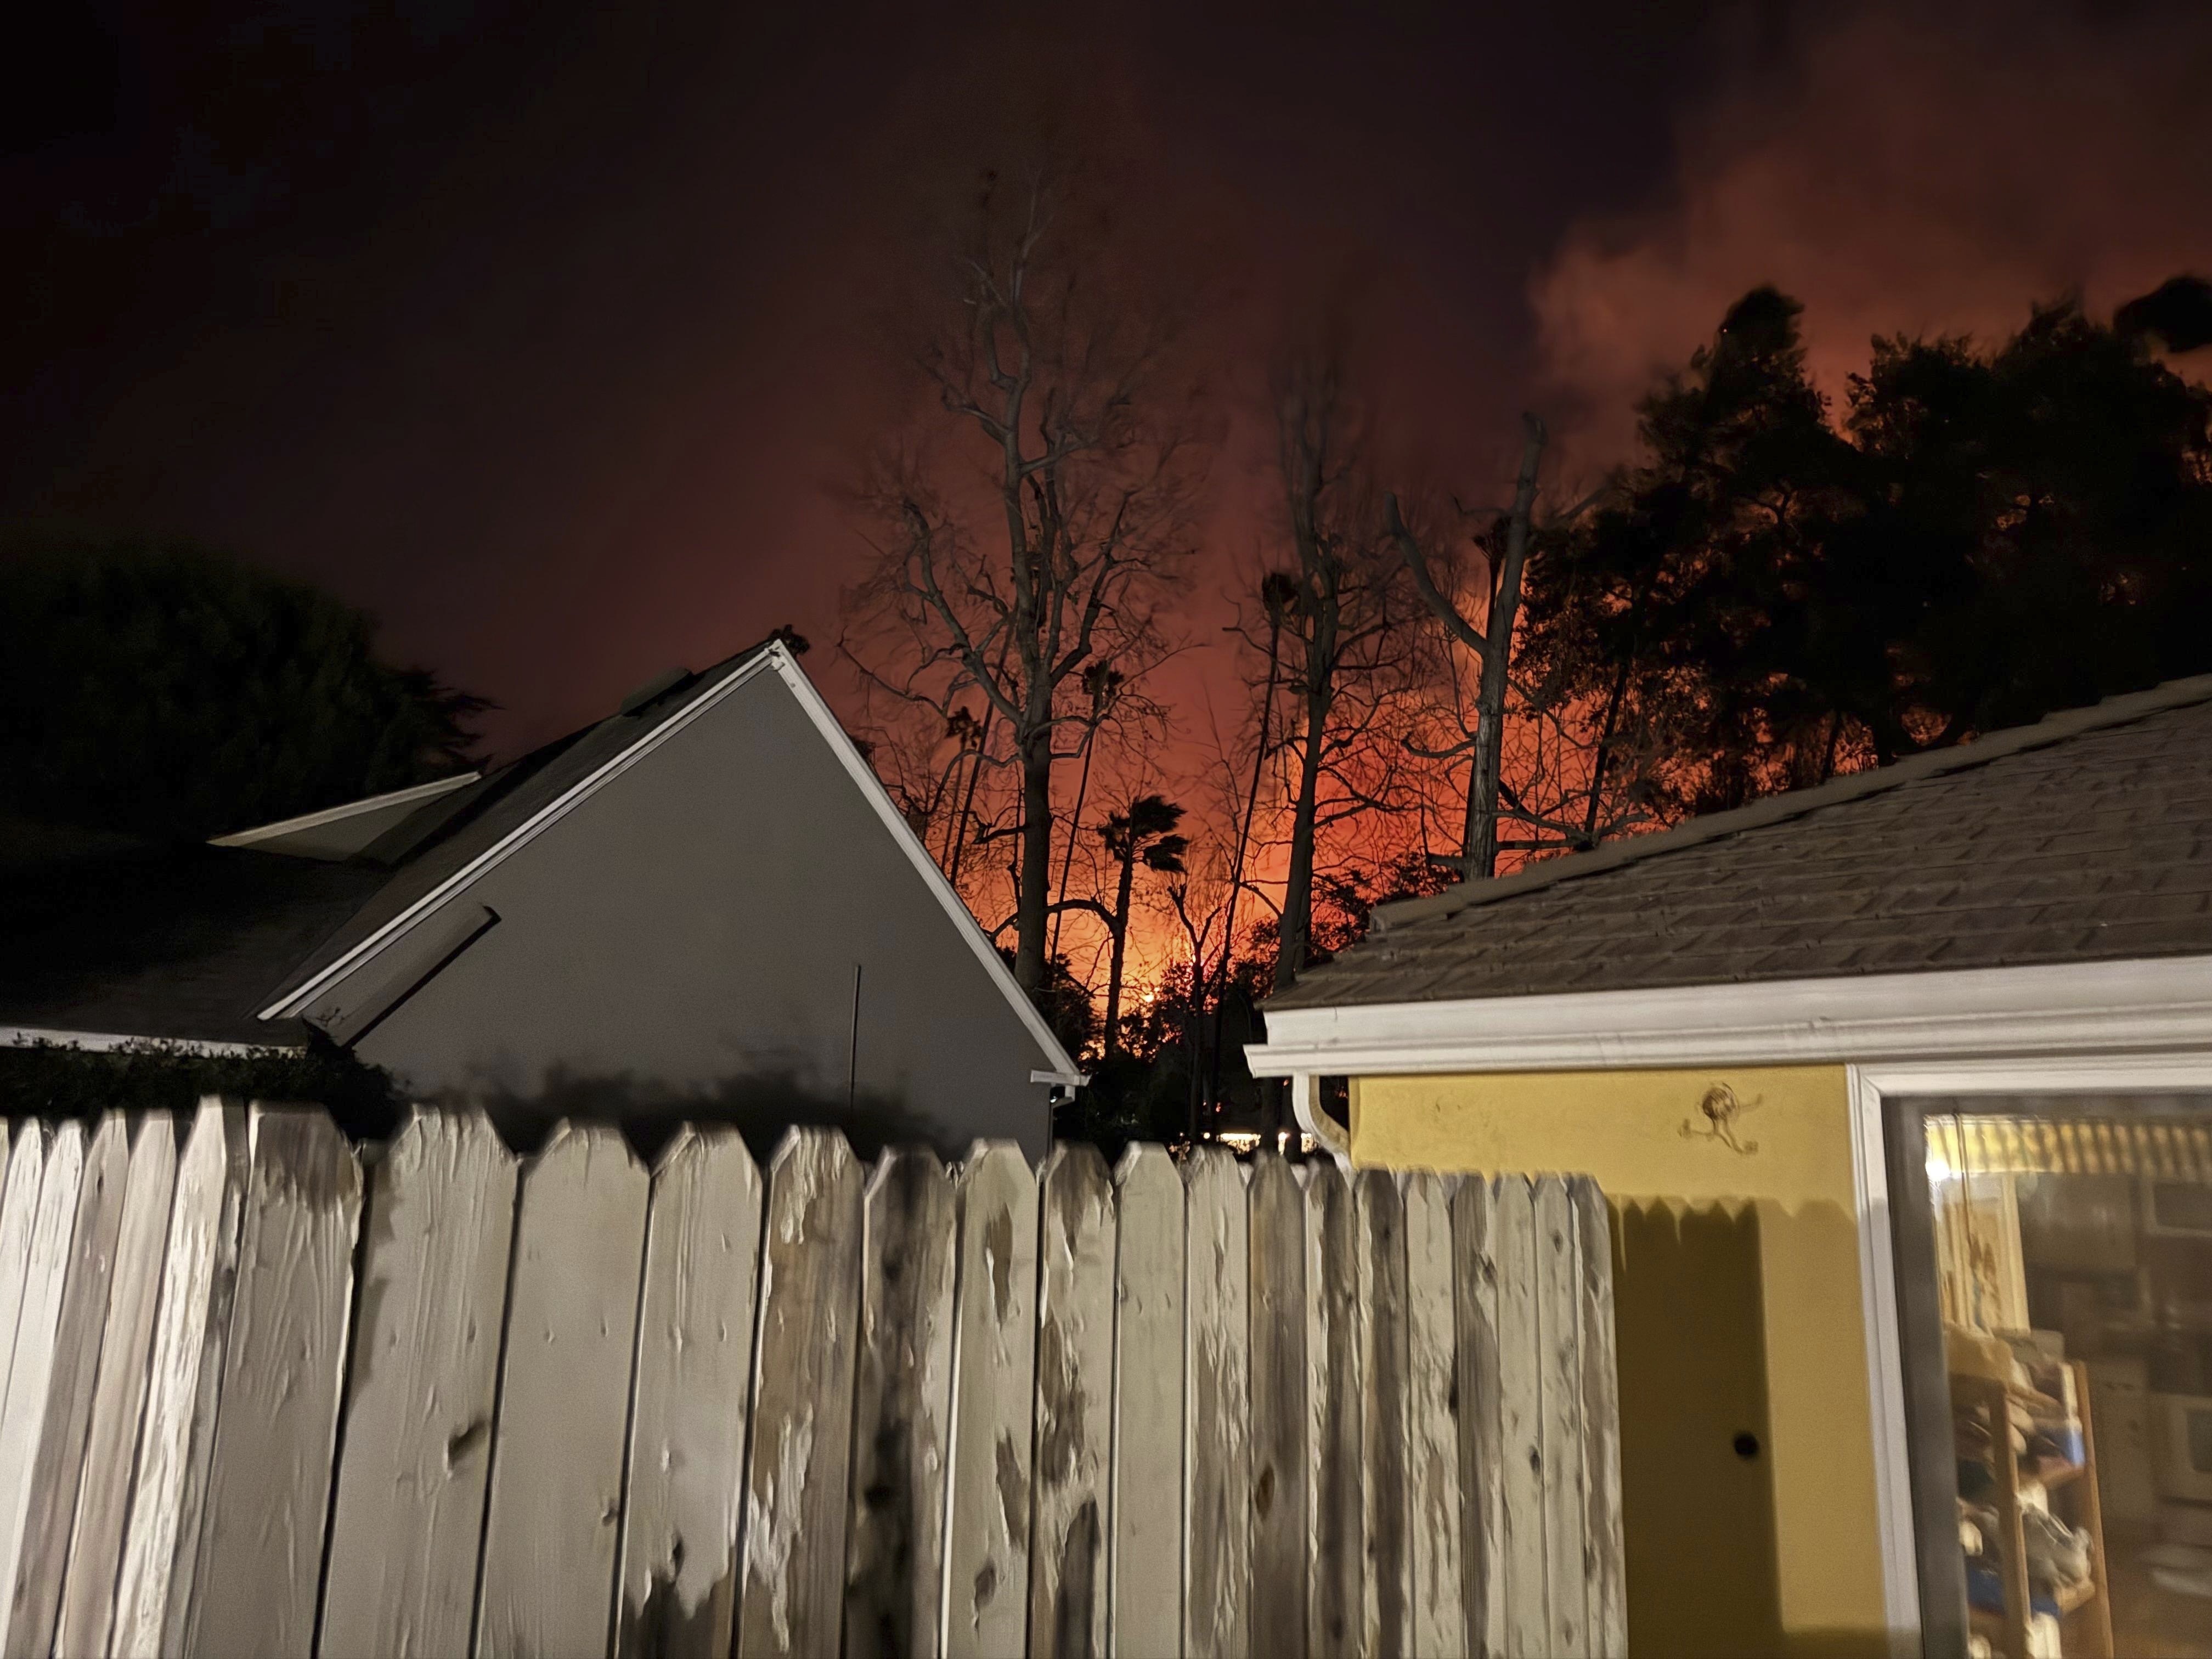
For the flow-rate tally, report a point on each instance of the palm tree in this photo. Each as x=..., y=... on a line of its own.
x=1143, y=835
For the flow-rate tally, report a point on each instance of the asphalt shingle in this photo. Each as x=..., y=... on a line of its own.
x=2081, y=839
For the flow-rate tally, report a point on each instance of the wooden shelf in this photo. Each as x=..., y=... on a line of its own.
x=2069, y=1599
x=2064, y=1476
x=2089, y=1635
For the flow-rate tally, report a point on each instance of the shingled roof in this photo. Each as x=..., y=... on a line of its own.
x=109, y=935
x=2086, y=838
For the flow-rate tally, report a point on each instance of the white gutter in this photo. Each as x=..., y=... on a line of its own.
x=2096, y=1007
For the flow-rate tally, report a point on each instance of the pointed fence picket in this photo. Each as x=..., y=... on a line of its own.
x=19, y=1208
x=1276, y=1228
x=1437, y=1617
x=792, y=1602
x=895, y=1551
x=557, y=1460
x=987, y=1531
x=1074, y=1382
x=1380, y=1219
x=95, y=1552
x=679, y=1556
x=176, y=1430
x=57, y=1466
x=1217, y=1536
x=268, y=1493
x=1144, y=1522
x=1335, y=1589
x=573, y=1406
x=409, y=1512
x=39, y=1338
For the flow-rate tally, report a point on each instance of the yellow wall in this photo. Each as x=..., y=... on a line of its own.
x=1739, y=1311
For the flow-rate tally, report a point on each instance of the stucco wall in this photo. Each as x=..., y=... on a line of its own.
x=1740, y=1313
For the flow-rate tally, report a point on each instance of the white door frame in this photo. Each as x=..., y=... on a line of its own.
x=1869, y=1085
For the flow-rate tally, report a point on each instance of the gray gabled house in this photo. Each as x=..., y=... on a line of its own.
x=703, y=906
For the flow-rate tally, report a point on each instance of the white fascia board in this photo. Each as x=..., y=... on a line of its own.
x=109, y=1043
x=2099, y=1007
x=412, y=796
x=520, y=836
x=1059, y=1068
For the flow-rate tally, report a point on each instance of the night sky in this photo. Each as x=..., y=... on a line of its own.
x=543, y=332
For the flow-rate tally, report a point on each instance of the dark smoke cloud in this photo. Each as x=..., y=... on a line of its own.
x=1905, y=172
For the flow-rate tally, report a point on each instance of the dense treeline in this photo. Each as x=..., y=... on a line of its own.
x=163, y=689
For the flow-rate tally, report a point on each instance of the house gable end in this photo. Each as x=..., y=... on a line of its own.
x=745, y=912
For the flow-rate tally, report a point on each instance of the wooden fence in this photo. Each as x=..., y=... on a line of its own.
x=566, y=1405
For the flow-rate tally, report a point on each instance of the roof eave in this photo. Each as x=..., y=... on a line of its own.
x=2136, y=1004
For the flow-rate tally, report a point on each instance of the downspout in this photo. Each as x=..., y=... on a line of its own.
x=1332, y=1137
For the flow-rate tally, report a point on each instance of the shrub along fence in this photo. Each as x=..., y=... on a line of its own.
x=265, y=1396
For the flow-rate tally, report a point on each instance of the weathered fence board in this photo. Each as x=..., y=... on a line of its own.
x=409, y=1515
x=1335, y=1618
x=23, y=1420
x=1519, y=1423
x=1385, y=1513
x=19, y=1208
x=177, y=1433
x=986, y=1534
x=261, y=1549
x=1217, y=1470
x=1601, y=1426
x=58, y=1467
x=895, y=1576
x=1482, y=1535
x=1276, y=1217
x=1074, y=1383
x=1210, y=1408
x=1559, y=1376
x=1144, y=1567
x=554, y=1509
x=95, y=1555
x=1439, y=1617
x=791, y=1603
x=679, y=1556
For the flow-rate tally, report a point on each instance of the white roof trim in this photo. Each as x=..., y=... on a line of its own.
x=2099, y=1007
x=779, y=658
x=108, y=1043
x=1060, y=1065
x=409, y=797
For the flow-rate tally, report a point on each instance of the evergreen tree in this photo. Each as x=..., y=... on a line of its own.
x=1986, y=535
x=162, y=689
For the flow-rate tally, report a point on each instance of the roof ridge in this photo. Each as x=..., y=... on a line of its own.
x=2058, y=727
